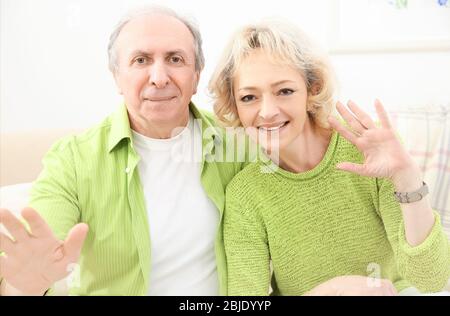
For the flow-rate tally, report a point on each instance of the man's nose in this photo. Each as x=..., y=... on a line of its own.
x=159, y=75
x=268, y=109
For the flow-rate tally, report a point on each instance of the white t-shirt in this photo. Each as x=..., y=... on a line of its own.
x=183, y=221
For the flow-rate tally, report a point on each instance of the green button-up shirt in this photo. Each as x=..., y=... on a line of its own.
x=93, y=178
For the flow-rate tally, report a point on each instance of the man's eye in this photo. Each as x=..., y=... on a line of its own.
x=141, y=60
x=286, y=91
x=248, y=98
x=176, y=59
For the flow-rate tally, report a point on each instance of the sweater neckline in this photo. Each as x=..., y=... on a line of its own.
x=323, y=165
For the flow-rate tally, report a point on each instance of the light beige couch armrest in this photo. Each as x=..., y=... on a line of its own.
x=21, y=154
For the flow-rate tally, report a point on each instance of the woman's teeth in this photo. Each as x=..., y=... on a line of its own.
x=271, y=129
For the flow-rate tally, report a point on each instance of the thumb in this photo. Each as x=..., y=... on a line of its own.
x=351, y=167
x=74, y=241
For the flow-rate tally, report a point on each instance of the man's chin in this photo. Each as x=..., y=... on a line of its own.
x=164, y=115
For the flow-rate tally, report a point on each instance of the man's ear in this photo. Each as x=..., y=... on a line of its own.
x=117, y=81
x=196, y=81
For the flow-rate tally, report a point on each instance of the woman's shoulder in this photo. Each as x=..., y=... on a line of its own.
x=346, y=151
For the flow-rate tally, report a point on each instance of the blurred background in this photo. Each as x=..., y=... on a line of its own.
x=54, y=63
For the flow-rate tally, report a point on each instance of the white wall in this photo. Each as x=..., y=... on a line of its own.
x=54, y=62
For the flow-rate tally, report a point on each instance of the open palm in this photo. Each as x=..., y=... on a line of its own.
x=383, y=153
x=37, y=259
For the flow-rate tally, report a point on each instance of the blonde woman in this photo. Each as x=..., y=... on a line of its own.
x=328, y=216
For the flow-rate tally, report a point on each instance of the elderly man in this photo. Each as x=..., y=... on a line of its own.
x=118, y=199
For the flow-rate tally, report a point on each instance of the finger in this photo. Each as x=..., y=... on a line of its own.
x=351, y=120
x=2, y=266
x=351, y=167
x=342, y=130
x=6, y=244
x=393, y=290
x=382, y=114
x=38, y=225
x=389, y=288
x=15, y=228
x=74, y=241
x=362, y=116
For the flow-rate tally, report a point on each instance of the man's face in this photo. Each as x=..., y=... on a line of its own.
x=156, y=71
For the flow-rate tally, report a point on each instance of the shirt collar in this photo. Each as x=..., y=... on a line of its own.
x=120, y=128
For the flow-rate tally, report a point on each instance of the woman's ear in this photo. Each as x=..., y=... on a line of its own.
x=316, y=87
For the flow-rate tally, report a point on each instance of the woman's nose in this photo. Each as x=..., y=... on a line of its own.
x=268, y=109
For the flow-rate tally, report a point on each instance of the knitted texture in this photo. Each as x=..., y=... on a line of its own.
x=316, y=225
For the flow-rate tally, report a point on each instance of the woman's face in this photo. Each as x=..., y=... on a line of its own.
x=271, y=98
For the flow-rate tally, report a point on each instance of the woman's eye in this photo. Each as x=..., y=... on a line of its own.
x=286, y=91
x=248, y=98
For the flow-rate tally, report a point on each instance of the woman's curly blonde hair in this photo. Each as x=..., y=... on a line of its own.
x=284, y=43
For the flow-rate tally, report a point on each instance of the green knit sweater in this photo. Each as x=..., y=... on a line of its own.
x=323, y=223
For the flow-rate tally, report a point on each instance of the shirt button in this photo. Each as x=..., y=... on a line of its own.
x=127, y=170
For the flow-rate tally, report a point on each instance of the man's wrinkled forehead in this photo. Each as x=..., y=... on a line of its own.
x=155, y=32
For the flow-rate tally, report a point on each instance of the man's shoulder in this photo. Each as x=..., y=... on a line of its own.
x=95, y=136
x=208, y=116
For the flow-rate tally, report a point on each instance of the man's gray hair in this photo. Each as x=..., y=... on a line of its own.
x=149, y=10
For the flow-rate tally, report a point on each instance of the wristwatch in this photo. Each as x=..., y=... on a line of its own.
x=410, y=197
